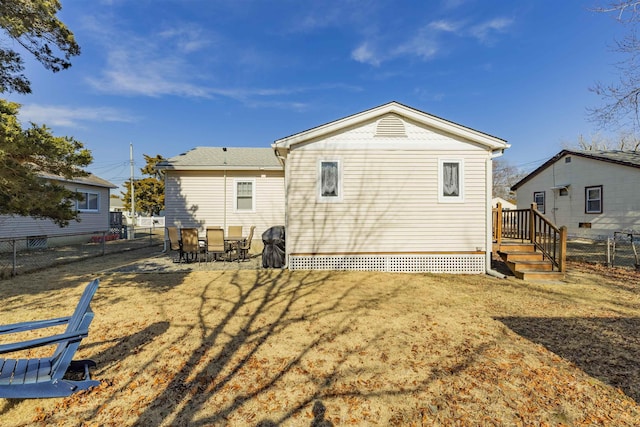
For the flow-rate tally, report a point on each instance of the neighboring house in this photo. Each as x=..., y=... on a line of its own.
x=592, y=193
x=218, y=187
x=389, y=189
x=94, y=212
x=506, y=205
x=116, y=204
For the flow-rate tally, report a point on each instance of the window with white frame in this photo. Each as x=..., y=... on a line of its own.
x=451, y=181
x=329, y=181
x=593, y=199
x=89, y=202
x=244, y=194
x=538, y=199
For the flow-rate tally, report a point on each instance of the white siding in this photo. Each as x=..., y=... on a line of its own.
x=206, y=199
x=89, y=221
x=390, y=195
x=621, y=197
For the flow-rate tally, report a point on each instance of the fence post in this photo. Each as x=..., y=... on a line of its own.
x=498, y=227
x=563, y=249
x=104, y=242
x=15, y=259
x=151, y=234
x=532, y=223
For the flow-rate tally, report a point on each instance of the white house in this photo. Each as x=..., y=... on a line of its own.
x=389, y=189
x=219, y=187
x=592, y=193
x=94, y=212
x=506, y=205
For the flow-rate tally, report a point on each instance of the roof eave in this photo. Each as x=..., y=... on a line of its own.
x=220, y=168
x=561, y=154
x=489, y=141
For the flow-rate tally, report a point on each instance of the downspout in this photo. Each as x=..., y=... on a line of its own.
x=224, y=203
x=285, y=164
x=489, y=215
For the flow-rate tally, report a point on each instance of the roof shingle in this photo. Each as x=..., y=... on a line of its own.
x=202, y=158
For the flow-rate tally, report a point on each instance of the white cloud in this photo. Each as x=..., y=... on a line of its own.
x=364, y=54
x=153, y=65
x=422, y=45
x=187, y=38
x=485, y=30
x=145, y=71
x=64, y=116
x=428, y=41
x=446, y=26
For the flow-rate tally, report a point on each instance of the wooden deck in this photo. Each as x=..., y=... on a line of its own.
x=530, y=245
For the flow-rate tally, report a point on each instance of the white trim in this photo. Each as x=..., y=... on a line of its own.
x=401, y=110
x=236, y=181
x=544, y=201
x=587, y=199
x=450, y=199
x=436, y=263
x=86, y=200
x=329, y=199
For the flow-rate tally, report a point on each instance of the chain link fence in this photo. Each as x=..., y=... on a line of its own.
x=24, y=254
x=621, y=250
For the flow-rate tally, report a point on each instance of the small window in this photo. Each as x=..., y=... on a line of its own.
x=244, y=195
x=567, y=159
x=329, y=181
x=593, y=199
x=36, y=242
x=451, y=186
x=584, y=225
x=538, y=199
x=89, y=202
x=563, y=192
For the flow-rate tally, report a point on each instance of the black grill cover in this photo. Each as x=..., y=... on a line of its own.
x=273, y=252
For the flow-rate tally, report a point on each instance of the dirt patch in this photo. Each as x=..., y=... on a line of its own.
x=273, y=347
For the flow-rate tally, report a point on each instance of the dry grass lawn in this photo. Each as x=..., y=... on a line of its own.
x=266, y=348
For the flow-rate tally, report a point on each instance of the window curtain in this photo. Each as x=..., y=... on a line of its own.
x=451, y=179
x=329, y=179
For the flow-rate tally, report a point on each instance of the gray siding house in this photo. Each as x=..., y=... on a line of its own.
x=94, y=212
x=592, y=193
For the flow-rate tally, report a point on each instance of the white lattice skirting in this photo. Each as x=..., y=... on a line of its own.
x=463, y=264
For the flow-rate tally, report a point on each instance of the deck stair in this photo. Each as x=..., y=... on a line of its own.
x=526, y=263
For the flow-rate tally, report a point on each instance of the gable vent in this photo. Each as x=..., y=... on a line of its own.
x=390, y=125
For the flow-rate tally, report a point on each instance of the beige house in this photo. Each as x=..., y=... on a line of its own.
x=389, y=189
x=94, y=212
x=218, y=187
x=592, y=193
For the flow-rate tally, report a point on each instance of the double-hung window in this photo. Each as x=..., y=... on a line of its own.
x=593, y=199
x=89, y=202
x=244, y=195
x=538, y=199
x=329, y=181
x=451, y=181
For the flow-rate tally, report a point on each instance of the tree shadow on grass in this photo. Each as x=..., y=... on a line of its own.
x=229, y=349
x=127, y=344
x=605, y=348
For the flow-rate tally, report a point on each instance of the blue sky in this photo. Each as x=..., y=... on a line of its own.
x=170, y=75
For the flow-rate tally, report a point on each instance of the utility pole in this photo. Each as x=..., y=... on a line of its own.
x=131, y=233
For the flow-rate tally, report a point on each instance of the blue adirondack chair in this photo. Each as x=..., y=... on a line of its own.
x=45, y=377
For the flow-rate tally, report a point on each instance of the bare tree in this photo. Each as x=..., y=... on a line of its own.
x=504, y=176
x=625, y=141
x=622, y=98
